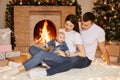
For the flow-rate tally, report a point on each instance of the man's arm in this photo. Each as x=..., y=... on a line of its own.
x=105, y=55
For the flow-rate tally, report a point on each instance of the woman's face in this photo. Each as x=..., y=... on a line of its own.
x=68, y=26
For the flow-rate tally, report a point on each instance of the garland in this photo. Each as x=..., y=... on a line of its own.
x=9, y=18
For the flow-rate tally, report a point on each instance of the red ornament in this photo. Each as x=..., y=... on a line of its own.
x=13, y=1
x=101, y=24
x=52, y=3
x=26, y=1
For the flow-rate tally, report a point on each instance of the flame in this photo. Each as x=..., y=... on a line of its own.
x=44, y=34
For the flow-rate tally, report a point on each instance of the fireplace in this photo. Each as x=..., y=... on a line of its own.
x=29, y=22
x=44, y=31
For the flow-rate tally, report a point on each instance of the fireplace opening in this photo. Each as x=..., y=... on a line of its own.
x=44, y=31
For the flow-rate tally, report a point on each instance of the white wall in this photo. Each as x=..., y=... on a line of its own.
x=86, y=5
x=2, y=12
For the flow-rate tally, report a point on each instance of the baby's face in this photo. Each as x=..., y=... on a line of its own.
x=60, y=37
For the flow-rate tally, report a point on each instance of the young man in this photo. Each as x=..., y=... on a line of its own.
x=93, y=36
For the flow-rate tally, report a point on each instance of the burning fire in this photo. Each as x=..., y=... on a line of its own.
x=44, y=33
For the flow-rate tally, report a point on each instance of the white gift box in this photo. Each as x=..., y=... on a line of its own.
x=5, y=35
x=12, y=54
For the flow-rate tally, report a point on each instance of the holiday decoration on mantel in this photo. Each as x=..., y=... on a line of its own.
x=108, y=17
x=10, y=10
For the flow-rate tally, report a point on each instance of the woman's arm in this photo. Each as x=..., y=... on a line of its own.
x=80, y=51
x=60, y=52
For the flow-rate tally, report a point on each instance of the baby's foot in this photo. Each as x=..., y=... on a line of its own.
x=45, y=65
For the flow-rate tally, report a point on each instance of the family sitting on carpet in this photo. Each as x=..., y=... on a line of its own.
x=82, y=43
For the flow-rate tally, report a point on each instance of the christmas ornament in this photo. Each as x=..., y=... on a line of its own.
x=13, y=1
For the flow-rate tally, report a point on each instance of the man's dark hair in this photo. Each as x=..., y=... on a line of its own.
x=88, y=16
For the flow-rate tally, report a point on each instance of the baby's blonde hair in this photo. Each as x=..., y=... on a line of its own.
x=61, y=33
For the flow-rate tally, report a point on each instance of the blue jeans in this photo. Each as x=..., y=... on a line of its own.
x=75, y=62
x=80, y=62
x=38, y=55
x=57, y=63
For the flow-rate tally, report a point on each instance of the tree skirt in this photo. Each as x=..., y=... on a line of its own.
x=98, y=70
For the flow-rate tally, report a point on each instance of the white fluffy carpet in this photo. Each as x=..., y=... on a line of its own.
x=97, y=71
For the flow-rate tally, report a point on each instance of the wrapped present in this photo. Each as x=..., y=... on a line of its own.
x=114, y=59
x=19, y=59
x=5, y=36
x=2, y=55
x=12, y=54
x=5, y=48
x=3, y=62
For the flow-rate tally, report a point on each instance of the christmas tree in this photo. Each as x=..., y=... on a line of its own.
x=10, y=10
x=108, y=17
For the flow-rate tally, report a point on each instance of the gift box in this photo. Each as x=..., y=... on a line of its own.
x=5, y=48
x=2, y=55
x=3, y=62
x=12, y=54
x=114, y=59
x=5, y=35
x=19, y=59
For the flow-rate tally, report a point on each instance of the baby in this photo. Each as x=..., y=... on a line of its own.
x=57, y=44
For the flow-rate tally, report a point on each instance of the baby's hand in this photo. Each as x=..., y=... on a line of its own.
x=57, y=51
x=50, y=48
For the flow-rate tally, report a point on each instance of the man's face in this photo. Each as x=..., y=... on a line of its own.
x=86, y=25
